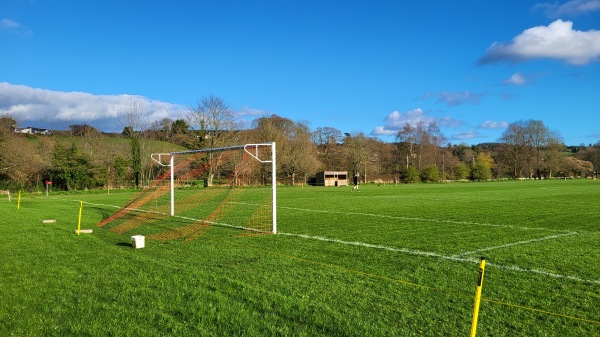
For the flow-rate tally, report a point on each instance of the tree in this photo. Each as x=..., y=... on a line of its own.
x=180, y=127
x=327, y=139
x=21, y=162
x=482, y=167
x=386, y=163
x=421, y=144
x=120, y=170
x=461, y=171
x=591, y=154
x=528, y=142
x=435, y=138
x=411, y=175
x=214, y=125
x=71, y=169
x=302, y=160
x=83, y=130
x=573, y=167
x=296, y=154
x=182, y=135
x=407, y=139
x=136, y=155
x=356, y=149
x=162, y=129
x=7, y=122
x=135, y=121
x=430, y=174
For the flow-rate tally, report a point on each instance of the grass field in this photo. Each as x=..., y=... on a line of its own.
x=388, y=260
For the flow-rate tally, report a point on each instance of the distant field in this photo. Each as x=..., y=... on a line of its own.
x=388, y=260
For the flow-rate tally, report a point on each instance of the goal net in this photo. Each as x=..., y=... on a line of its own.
x=195, y=190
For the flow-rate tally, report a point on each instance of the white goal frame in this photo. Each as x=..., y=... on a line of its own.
x=158, y=158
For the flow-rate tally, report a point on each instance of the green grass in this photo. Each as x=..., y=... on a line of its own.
x=388, y=260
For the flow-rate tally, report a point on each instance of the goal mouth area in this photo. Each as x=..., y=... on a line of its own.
x=232, y=187
x=161, y=226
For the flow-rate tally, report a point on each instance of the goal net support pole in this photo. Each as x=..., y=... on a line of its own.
x=274, y=185
x=172, y=169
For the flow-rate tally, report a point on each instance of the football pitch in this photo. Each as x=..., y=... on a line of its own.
x=389, y=260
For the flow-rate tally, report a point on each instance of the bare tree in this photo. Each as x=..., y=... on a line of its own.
x=162, y=129
x=134, y=120
x=420, y=144
x=215, y=125
x=573, y=167
x=302, y=159
x=528, y=143
x=591, y=154
x=327, y=140
x=356, y=147
x=295, y=151
x=407, y=138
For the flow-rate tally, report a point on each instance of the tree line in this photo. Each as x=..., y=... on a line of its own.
x=85, y=158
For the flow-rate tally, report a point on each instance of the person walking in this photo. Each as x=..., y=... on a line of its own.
x=355, y=181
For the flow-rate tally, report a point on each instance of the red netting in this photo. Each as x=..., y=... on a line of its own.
x=227, y=188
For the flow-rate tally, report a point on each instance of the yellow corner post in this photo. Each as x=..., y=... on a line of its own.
x=79, y=221
x=19, y=201
x=478, y=297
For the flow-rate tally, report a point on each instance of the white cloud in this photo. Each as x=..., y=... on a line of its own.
x=382, y=131
x=493, y=125
x=397, y=120
x=452, y=99
x=58, y=109
x=515, y=79
x=13, y=27
x=250, y=112
x=412, y=117
x=449, y=122
x=556, y=41
x=6, y=24
x=569, y=8
x=466, y=135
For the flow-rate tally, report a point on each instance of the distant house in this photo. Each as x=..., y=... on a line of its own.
x=23, y=130
x=31, y=130
x=332, y=178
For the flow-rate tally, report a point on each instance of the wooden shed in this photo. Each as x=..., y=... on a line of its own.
x=332, y=178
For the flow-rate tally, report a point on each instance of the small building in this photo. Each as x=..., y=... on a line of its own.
x=24, y=130
x=31, y=130
x=332, y=178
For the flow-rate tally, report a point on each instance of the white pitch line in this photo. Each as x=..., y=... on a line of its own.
x=543, y=272
x=421, y=253
x=441, y=256
x=393, y=249
x=550, y=237
x=420, y=219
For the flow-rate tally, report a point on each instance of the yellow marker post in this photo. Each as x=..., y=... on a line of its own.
x=478, y=297
x=79, y=221
x=19, y=201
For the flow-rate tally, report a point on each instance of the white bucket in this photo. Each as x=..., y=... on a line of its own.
x=137, y=241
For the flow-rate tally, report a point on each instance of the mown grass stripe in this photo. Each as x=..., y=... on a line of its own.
x=441, y=256
x=419, y=219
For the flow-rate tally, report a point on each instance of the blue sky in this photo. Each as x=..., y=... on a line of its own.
x=473, y=66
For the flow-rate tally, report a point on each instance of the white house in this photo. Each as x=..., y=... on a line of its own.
x=31, y=130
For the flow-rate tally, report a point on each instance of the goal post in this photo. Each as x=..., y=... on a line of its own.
x=233, y=186
x=247, y=148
